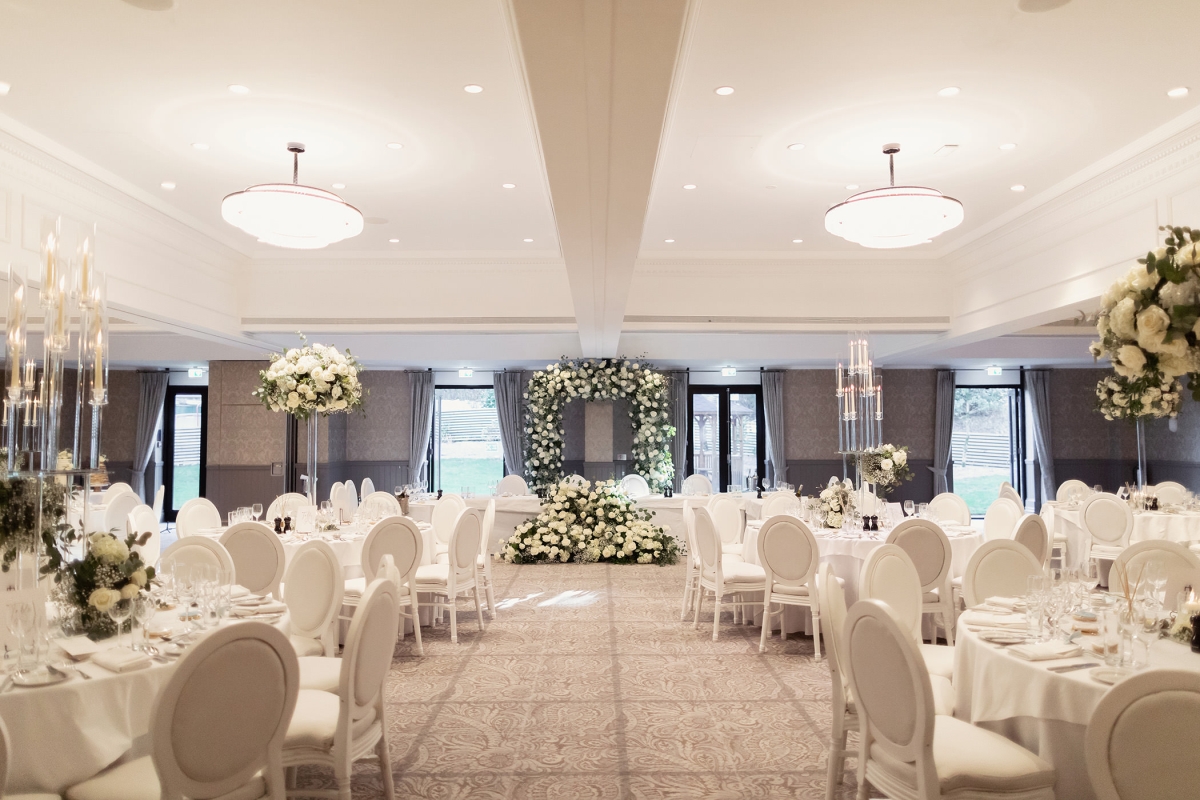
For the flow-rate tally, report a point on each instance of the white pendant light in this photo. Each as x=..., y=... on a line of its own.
x=894, y=216
x=292, y=215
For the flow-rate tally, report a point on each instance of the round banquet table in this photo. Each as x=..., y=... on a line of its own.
x=1063, y=519
x=68, y=732
x=846, y=552
x=1044, y=712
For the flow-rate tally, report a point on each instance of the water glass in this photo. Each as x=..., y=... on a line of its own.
x=923, y=510
x=256, y=511
x=1110, y=636
x=118, y=612
x=21, y=625
x=908, y=508
x=143, y=612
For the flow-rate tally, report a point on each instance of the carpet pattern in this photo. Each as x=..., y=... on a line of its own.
x=588, y=685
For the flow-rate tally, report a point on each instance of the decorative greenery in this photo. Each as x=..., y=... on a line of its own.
x=1148, y=325
x=111, y=571
x=579, y=522
x=885, y=466
x=311, y=379
x=19, y=521
x=836, y=502
x=607, y=379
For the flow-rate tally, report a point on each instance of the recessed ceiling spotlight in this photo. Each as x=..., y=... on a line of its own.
x=199, y=146
x=508, y=185
x=472, y=88
x=1178, y=91
x=394, y=241
x=527, y=240
x=237, y=88
x=949, y=91
x=797, y=241
x=851, y=186
x=395, y=146
x=339, y=186
x=796, y=146
x=669, y=241
x=168, y=185
x=724, y=90
x=689, y=186
x=1008, y=146
x=5, y=88
x=1020, y=187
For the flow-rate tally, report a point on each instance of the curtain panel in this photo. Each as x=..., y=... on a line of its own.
x=772, y=389
x=1037, y=381
x=422, y=420
x=943, y=428
x=679, y=418
x=150, y=409
x=510, y=389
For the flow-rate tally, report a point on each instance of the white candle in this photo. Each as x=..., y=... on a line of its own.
x=98, y=369
x=839, y=379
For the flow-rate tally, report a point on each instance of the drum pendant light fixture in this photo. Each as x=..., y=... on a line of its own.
x=894, y=216
x=290, y=214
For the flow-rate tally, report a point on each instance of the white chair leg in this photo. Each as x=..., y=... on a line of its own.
x=453, y=604
x=478, y=607
x=948, y=621
x=716, y=613
x=385, y=767
x=699, y=602
x=688, y=588
x=766, y=624
x=491, y=593
x=816, y=617
x=837, y=754
x=416, y=616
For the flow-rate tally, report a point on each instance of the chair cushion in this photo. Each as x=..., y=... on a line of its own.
x=972, y=759
x=314, y=721
x=943, y=694
x=939, y=659
x=798, y=591
x=307, y=647
x=138, y=780
x=1106, y=553
x=433, y=573
x=320, y=673
x=737, y=571
x=355, y=587
x=732, y=549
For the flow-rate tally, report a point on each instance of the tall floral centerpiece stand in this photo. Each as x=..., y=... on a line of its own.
x=860, y=409
x=309, y=382
x=1148, y=324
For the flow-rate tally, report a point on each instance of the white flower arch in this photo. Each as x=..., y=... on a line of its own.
x=606, y=379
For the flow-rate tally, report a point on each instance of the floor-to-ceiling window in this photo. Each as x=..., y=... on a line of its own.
x=465, y=447
x=986, y=443
x=184, y=446
x=727, y=441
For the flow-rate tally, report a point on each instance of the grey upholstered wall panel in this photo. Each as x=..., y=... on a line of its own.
x=119, y=428
x=382, y=431
x=1078, y=431
x=598, y=431
x=810, y=416
x=908, y=401
x=574, y=431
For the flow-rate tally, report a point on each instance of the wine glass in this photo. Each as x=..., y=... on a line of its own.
x=256, y=510
x=1156, y=576
x=143, y=612
x=20, y=625
x=908, y=508
x=118, y=612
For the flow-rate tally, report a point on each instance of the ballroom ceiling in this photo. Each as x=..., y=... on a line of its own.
x=599, y=114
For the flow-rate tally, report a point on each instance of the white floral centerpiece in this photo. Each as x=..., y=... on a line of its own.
x=836, y=503
x=886, y=466
x=1148, y=326
x=605, y=379
x=110, y=571
x=313, y=379
x=586, y=523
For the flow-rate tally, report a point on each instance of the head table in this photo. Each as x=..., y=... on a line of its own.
x=1064, y=519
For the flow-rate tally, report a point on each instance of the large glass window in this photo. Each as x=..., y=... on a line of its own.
x=984, y=443
x=183, y=446
x=467, y=456
x=727, y=443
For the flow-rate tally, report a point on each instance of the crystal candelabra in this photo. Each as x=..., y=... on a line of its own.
x=860, y=404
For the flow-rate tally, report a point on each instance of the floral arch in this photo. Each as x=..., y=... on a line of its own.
x=606, y=379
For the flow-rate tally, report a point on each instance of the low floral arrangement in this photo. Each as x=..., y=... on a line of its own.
x=586, y=523
x=19, y=522
x=885, y=466
x=111, y=571
x=1148, y=324
x=311, y=379
x=836, y=502
x=649, y=411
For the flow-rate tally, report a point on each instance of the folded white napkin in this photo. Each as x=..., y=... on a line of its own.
x=1045, y=651
x=238, y=591
x=271, y=607
x=987, y=619
x=1010, y=603
x=250, y=600
x=118, y=659
x=78, y=647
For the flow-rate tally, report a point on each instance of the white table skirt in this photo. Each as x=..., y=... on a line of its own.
x=1062, y=520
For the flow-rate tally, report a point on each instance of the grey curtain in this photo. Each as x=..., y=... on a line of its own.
x=150, y=408
x=943, y=427
x=679, y=418
x=772, y=389
x=510, y=387
x=1038, y=383
x=422, y=420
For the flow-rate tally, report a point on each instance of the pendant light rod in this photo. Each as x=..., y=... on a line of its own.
x=890, y=150
x=295, y=148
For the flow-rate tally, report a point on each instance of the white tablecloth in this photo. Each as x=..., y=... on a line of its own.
x=1042, y=711
x=66, y=733
x=1062, y=520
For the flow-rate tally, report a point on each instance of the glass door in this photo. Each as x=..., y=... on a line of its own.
x=727, y=441
x=986, y=444
x=185, y=446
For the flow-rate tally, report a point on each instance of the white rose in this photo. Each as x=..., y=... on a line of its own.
x=886, y=465
x=293, y=400
x=1121, y=320
x=129, y=591
x=103, y=599
x=1141, y=279
x=1130, y=361
x=1189, y=254
x=900, y=457
x=1152, y=324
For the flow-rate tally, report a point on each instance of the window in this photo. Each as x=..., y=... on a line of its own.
x=985, y=443
x=184, y=446
x=465, y=446
x=727, y=443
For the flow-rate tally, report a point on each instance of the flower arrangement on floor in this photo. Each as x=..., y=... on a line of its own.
x=886, y=466
x=586, y=523
x=1148, y=324
x=311, y=379
x=19, y=522
x=836, y=503
x=111, y=571
x=607, y=379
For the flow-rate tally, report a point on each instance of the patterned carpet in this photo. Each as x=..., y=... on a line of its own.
x=589, y=686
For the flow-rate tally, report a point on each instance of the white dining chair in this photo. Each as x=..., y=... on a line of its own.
x=1007, y=490
x=788, y=554
x=1182, y=567
x=113, y=490
x=635, y=486
x=890, y=576
x=483, y=565
x=5, y=760
x=444, y=518
x=1068, y=488
x=159, y=494
x=1032, y=533
x=142, y=520
x=948, y=507
x=312, y=589
x=449, y=580
x=696, y=483
x=999, y=568
x=906, y=749
x=286, y=505
x=691, y=580
x=217, y=727
x=258, y=557
x=196, y=515
x=1108, y=522
x=381, y=502
x=514, y=485
x=366, y=487
x=929, y=548
x=780, y=503
x=722, y=575
x=200, y=550
x=1001, y=519
x=1140, y=732
x=336, y=730
x=1170, y=492
x=398, y=542
x=730, y=521
x=353, y=491
x=116, y=513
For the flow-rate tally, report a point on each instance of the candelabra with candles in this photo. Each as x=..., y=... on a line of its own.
x=860, y=405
